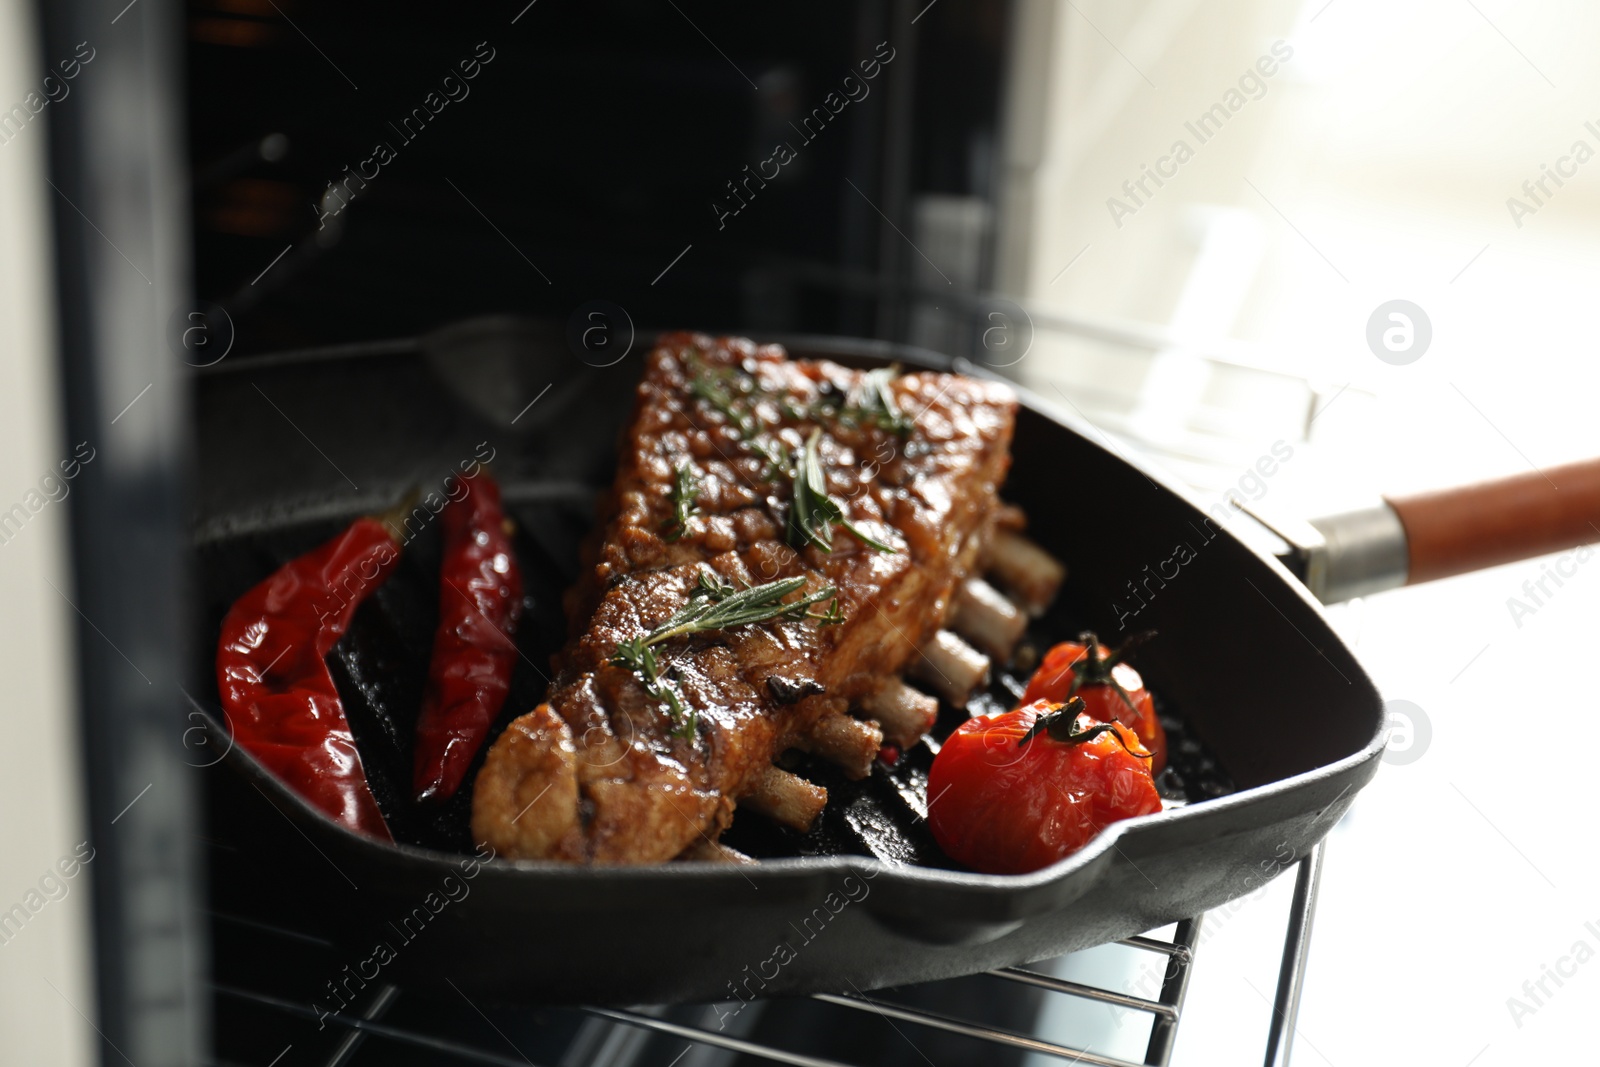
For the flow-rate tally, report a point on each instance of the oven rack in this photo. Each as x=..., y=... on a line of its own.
x=625, y=1037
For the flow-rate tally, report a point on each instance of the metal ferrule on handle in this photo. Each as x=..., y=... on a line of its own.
x=1407, y=540
x=1362, y=552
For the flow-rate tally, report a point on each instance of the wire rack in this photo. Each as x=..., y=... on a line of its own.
x=994, y=1025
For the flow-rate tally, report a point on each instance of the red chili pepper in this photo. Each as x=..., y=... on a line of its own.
x=274, y=680
x=480, y=601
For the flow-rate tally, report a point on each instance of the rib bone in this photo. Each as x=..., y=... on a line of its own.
x=983, y=615
x=904, y=713
x=951, y=666
x=849, y=743
x=1031, y=574
x=786, y=798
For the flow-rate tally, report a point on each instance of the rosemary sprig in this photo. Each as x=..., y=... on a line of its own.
x=717, y=605
x=685, y=486
x=711, y=586
x=870, y=403
x=877, y=404
x=714, y=388
x=814, y=513
x=638, y=657
x=735, y=393
x=722, y=389
x=772, y=453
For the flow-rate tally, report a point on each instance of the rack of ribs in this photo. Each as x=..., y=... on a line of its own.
x=606, y=771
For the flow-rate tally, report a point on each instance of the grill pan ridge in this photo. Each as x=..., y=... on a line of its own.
x=1257, y=681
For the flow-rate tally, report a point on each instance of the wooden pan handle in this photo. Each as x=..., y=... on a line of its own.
x=1452, y=531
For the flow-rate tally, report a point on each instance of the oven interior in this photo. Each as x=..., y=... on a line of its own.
x=345, y=181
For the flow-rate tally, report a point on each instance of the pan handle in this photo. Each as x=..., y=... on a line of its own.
x=1418, y=538
x=1468, y=528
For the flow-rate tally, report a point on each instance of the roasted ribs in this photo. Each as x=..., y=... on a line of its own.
x=608, y=772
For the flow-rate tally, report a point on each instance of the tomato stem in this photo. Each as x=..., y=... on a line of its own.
x=1095, y=668
x=1061, y=723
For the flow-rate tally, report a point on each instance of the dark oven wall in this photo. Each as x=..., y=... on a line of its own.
x=367, y=170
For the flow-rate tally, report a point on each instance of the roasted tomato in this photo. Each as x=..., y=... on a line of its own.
x=1113, y=691
x=1016, y=792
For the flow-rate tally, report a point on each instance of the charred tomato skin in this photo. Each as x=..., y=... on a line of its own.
x=1053, y=682
x=1004, y=806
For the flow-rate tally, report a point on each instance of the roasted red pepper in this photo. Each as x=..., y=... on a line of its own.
x=1015, y=792
x=1112, y=689
x=480, y=601
x=273, y=676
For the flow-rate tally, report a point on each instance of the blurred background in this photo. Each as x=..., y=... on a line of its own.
x=1176, y=219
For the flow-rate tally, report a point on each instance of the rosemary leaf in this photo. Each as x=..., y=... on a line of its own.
x=770, y=452
x=685, y=486
x=813, y=513
x=878, y=404
x=715, y=390
x=734, y=395
x=726, y=607
x=717, y=605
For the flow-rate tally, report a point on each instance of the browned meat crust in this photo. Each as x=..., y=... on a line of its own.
x=596, y=775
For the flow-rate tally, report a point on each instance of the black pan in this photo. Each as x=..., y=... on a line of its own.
x=1276, y=724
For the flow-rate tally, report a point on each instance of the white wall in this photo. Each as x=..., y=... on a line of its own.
x=1377, y=166
x=46, y=991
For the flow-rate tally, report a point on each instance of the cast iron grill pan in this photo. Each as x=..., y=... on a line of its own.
x=1273, y=725
x=381, y=664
